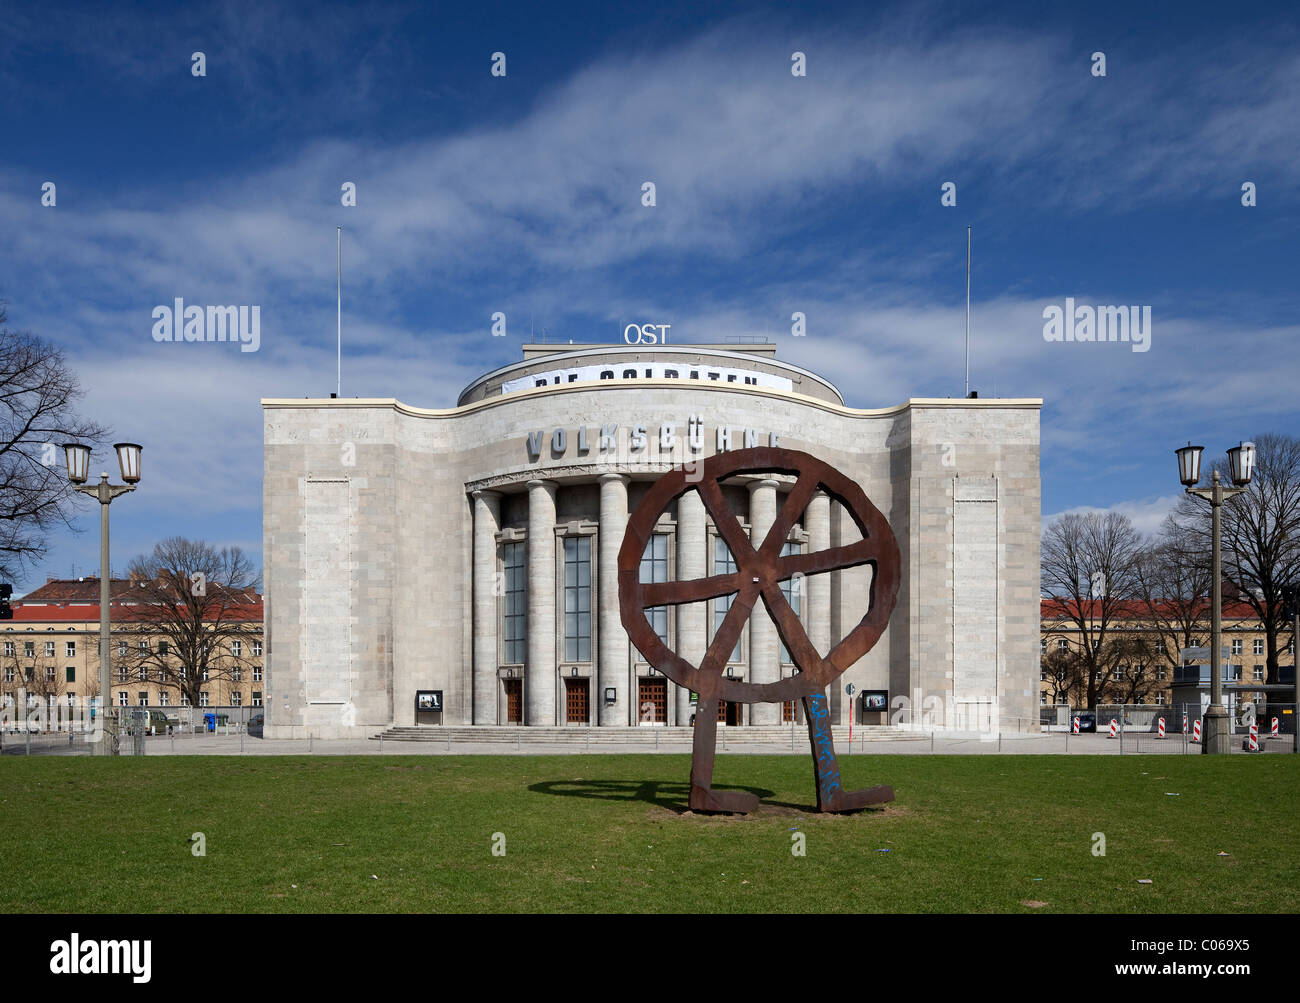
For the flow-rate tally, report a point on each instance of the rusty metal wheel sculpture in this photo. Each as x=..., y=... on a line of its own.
x=760, y=573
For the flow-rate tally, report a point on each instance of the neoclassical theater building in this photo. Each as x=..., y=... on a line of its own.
x=458, y=566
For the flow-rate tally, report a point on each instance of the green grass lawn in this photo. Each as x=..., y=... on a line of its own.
x=608, y=833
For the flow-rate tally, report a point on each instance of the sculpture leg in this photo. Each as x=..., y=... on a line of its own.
x=831, y=796
x=703, y=796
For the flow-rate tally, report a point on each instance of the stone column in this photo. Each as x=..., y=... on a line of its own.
x=539, y=675
x=487, y=522
x=817, y=588
x=692, y=618
x=764, y=654
x=611, y=641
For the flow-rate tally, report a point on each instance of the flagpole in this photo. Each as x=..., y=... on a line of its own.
x=339, y=386
x=968, y=311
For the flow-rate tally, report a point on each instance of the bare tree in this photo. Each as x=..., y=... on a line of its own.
x=1089, y=568
x=1134, y=676
x=1260, y=536
x=38, y=396
x=1174, y=580
x=190, y=603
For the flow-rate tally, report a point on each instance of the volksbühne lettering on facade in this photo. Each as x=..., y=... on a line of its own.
x=727, y=437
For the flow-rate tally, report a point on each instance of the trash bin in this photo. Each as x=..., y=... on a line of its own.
x=210, y=722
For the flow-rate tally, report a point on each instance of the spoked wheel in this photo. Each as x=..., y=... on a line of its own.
x=760, y=573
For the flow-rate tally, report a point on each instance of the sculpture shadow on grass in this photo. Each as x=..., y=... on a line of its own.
x=674, y=796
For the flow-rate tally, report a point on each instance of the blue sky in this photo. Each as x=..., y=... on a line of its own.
x=522, y=194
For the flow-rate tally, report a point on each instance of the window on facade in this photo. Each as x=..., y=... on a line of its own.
x=257, y=649
x=236, y=698
x=516, y=610
x=162, y=647
x=654, y=568
x=49, y=673
x=205, y=675
x=70, y=649
x=236, y=674
x=72, y=673
x=1160, y=673
x=1259, y=646
x=723, y=564
x=9, y=649
x=1062, y=645
x=162, y=698
x=121, y=698
x=257, y=673
x=9, y=673
x=143, y=647
x=1160, y=697
x=185, y=699
x=29, y=649
x=1042, y=646
x=1042, y=698
x=142, y=698
x=121, y=649
x=577, y=599
x=49, y=649
x=121, y=673
x=257, y=698
x=143, y=673
x=792, y=589
x=203, y=698
x=1259, y=673
x=1236, y=646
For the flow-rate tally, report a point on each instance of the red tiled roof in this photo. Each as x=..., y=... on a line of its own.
x=1051, y=609
x=121, y=612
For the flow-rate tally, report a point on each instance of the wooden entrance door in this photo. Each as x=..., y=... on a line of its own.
x=652, y=701
x=514, y=701
x=576, y=701
x=728, y=713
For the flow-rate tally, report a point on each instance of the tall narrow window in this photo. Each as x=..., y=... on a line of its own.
x=793, y=592
x=723, y=564
x=516, y=609
x=577, y=599
x=654, y=568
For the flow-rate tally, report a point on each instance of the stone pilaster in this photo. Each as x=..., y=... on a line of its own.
x=612, y=641
x=487, y=522
x=539, y=676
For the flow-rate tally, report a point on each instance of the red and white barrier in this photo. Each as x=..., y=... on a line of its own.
x=1184, y=722
x=1196, y=730
x=1076, y=726
x=1254, y=738
x=1275, y=733
x=1161, y=725
x=1114, y=728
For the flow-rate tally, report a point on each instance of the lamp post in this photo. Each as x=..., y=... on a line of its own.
x=1241, y=459
x=128, y=459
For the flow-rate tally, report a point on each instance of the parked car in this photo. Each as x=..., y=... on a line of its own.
x=255, y=724
x=1087, y=720
x=156, y=720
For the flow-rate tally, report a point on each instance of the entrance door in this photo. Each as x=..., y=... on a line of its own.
x=514, y=701
x=728, y=713
x=652, y=701
x=576, y=701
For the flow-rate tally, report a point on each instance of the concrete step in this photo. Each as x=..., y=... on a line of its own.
x=634, y=736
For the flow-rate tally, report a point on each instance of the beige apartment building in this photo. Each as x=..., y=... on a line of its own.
x=50, y=649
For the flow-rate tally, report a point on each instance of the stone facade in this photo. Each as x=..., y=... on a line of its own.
x=388, y=528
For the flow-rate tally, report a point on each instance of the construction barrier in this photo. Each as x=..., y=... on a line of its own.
x=1161, y=725
x=1184, y=722
x=1275, y=733
x=1196, y=730
x=1076, y=726
x=1114, y=728
x=1254, y=739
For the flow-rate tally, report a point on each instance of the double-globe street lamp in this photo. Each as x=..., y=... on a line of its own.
x=1241, y=462
x=128, y=459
